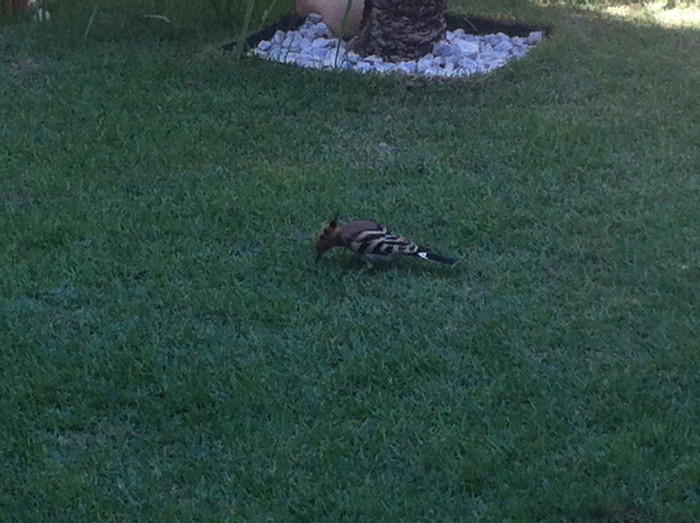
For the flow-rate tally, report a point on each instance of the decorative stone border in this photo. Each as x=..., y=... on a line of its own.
x=470, y=47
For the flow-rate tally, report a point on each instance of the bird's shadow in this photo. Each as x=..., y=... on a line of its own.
x=356, y=265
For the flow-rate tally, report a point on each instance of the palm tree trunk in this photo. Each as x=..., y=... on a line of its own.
x=399, y=30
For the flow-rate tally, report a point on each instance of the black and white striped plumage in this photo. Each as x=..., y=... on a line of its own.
x=372, y=242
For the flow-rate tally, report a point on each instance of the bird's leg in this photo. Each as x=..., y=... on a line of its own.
x=373, y=261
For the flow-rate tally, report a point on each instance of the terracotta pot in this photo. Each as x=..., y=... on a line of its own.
x=20, y=5
x=332, y=12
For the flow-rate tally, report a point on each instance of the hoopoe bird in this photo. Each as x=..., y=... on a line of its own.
x=372, y=242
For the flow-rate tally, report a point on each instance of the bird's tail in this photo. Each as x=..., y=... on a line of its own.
x=427, y=255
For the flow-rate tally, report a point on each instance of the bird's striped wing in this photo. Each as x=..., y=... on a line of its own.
x=378, y=242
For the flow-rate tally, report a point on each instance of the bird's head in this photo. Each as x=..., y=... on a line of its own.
x=327, y=237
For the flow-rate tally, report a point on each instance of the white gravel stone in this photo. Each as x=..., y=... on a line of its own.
x=467, y=48
x=518, y=51
x=277, y=38
x=444, y=49
x=504, y=46
x=324, y=42
x=457, y=55
x=353, y=58
x=534, y=38
x=496, y=39
x=468, y=65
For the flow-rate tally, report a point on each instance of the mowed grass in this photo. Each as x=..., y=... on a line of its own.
x=170, y=351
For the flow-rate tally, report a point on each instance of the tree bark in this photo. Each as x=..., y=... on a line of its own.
x=398, y=30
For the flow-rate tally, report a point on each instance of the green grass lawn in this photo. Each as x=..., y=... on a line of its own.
x=170, y=351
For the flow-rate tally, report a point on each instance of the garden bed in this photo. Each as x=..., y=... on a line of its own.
x=472, y=25
x=470, y=46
